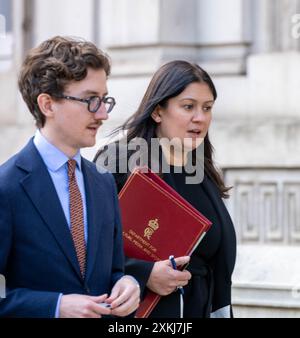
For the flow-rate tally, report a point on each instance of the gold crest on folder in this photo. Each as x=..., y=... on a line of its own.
x=152, y=226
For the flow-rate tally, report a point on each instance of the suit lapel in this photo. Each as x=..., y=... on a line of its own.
x=40, y=189
x=94, y=195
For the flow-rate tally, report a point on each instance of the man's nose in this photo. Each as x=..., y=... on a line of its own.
x=101, y=113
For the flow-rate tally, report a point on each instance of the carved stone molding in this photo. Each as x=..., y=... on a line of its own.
x=264, y=205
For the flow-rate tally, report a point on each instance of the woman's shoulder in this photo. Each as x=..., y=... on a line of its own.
x=113, y=157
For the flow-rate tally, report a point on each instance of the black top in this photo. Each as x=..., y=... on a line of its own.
x=198, y=292
x=211, y=264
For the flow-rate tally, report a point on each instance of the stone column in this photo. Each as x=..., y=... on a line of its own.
x=140, y=35
x=224, y=35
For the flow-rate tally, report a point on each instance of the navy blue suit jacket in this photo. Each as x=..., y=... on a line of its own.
x=37, y=255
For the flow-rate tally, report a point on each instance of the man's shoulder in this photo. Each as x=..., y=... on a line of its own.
x=9, y=175
x=10, y=169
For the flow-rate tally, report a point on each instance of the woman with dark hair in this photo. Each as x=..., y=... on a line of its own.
x=178, y=105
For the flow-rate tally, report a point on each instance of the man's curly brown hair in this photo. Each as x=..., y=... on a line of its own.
x=56, y=62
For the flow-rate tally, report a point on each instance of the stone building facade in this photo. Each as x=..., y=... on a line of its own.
x=252, y=50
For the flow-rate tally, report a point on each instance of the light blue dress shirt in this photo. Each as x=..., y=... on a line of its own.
x=56, y=163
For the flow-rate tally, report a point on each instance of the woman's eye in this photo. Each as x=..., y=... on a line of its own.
x=188, y=106
x=207, y=108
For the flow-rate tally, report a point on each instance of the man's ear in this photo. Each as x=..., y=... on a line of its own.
x=156, y=114
x=45, y=104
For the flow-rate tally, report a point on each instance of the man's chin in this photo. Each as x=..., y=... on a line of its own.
x=88, y=143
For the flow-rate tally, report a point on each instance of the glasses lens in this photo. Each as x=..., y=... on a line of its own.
x=94, y=104
x=109, y=103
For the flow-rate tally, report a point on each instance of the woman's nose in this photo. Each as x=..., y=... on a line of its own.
x=199, y=116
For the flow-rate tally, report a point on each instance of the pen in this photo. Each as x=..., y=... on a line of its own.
x=174, y=266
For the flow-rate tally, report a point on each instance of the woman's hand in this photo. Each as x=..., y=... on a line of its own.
x=164, y=279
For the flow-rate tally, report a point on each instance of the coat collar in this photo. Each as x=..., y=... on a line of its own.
x=53, y=157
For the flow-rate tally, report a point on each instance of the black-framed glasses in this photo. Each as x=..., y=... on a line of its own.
x=93, y=102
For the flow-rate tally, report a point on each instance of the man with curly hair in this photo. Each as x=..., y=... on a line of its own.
x=61, y=245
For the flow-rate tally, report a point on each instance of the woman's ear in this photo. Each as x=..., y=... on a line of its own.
x=156, y=114
x=45, y=104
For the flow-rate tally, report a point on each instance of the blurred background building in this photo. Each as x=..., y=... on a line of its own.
x=252, y=50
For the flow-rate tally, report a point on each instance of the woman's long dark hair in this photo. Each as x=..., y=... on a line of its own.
x=169, y=81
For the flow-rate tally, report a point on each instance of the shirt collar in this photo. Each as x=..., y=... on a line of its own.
x=52, y=156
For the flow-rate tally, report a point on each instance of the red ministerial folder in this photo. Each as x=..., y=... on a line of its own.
x=157, y=222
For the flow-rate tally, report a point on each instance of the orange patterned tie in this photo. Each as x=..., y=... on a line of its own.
x=76, y=216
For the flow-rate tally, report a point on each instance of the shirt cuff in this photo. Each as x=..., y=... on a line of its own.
x=133, y=279
x=58, y=306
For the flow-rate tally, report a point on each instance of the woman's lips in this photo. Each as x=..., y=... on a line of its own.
x=194, y=133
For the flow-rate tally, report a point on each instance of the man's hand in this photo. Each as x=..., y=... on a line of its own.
x=125, y=297
x=81, y=306
x=164, y=279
